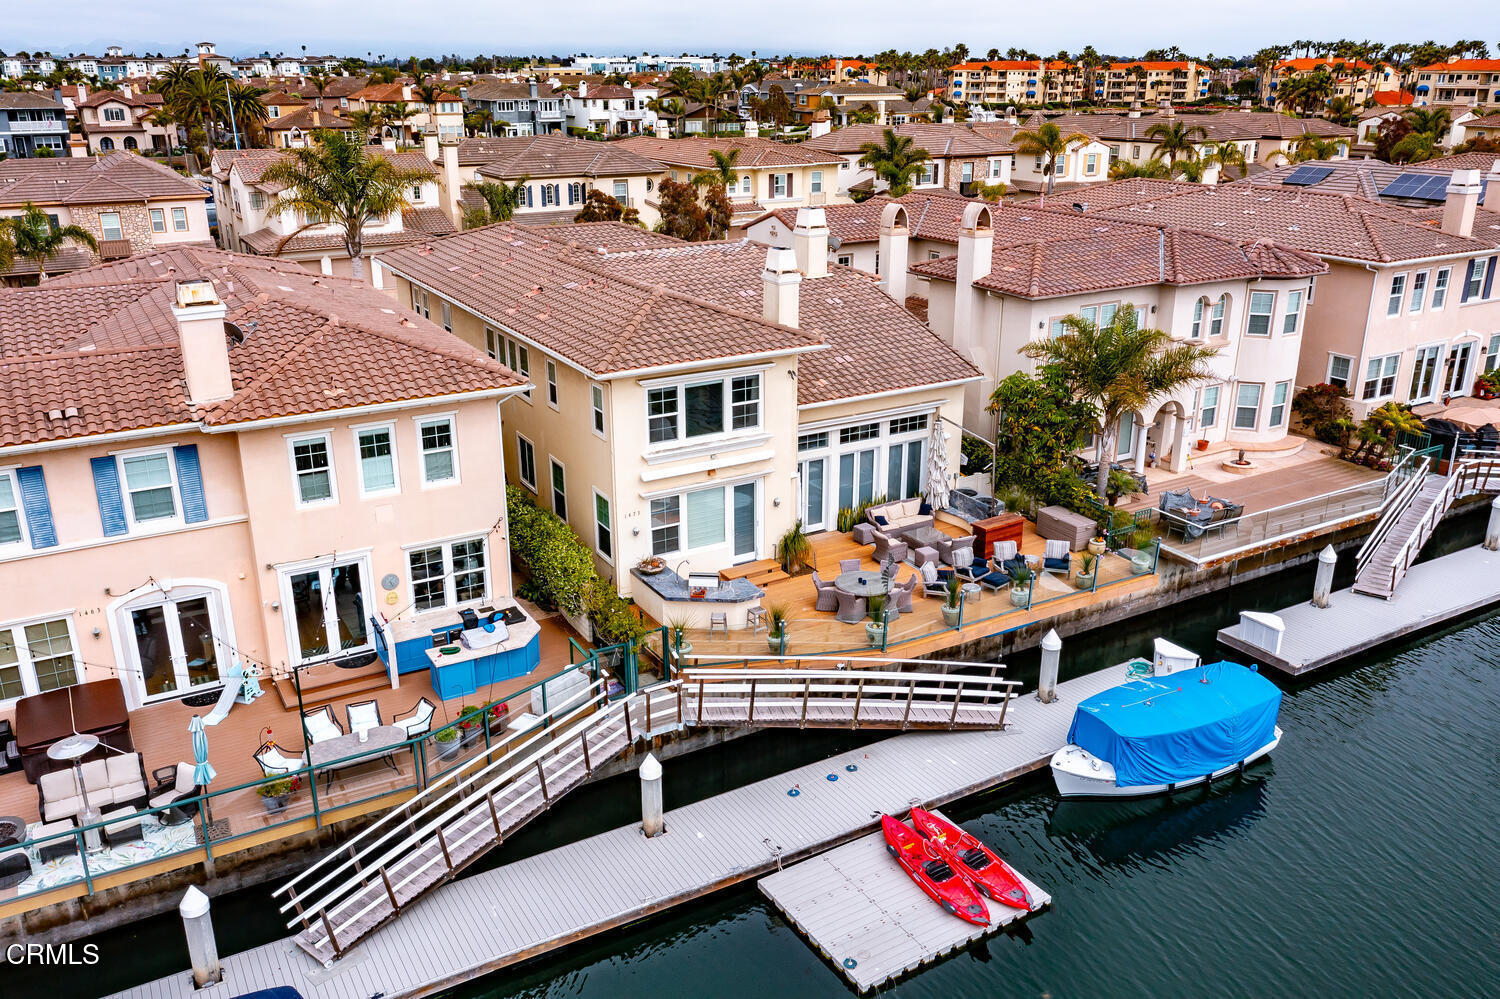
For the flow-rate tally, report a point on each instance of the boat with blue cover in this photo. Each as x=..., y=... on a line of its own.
x=1166, y=731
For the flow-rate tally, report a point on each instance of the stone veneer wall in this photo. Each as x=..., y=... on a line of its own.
x=135, y=222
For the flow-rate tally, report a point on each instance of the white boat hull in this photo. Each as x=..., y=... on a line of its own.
x=1080, y=774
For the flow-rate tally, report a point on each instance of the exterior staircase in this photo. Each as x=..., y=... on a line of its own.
x=1388, y=560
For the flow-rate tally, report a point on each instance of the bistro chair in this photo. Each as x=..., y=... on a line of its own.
x=321, y=725
x=417, y=721
x=851, y=608
x=273, y=763
x=173, y=784
x=363, y=716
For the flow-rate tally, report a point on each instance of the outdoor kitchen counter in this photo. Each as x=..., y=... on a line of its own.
x=666, y=597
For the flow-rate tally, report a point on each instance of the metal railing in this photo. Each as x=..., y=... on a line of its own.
x=1391, y=512
x=1471, y=475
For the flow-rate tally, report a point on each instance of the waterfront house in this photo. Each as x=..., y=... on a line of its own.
x=247, y=223
x=749, y=388
x=1020, y=269
x=30, y=121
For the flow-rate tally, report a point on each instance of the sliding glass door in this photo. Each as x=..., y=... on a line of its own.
x=811, y=477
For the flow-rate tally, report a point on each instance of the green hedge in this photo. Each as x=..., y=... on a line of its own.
x=562, y=569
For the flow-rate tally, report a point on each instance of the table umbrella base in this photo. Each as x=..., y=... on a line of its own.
x=217, y=829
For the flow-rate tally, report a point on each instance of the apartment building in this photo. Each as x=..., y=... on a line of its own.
x=1006, y=81
x=21, y=64
x=1352, y=79
x=1459, y=81
x=1408, y=311
x=248, y=224
x=121, y=120
x=961, y=158
x=128, y=203
x=518, y=108
x=1123, y=83
x=752, y=388
x=1020, y=270
x=854, y=234
x=770, y=175
x=30, y=121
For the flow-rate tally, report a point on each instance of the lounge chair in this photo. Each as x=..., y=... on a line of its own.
x=851, y=608
x=850, y=564
x=901, y=596
x=417, y=721
x=1057, y=557
x=828, y=594
x=173, y=784
x=948, y=549
x=273, y=763
x=888, y=548
x=1008, y=558
x=363, y=715
x=321, y=725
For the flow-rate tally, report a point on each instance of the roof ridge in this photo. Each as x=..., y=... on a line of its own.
x=91, y=352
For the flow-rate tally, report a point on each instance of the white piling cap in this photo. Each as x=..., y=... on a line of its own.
x=1050, y=641
x=194, y=903
x=1329, y=555
x=650, y=767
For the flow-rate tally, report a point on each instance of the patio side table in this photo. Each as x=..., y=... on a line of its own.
x=864, y=534
x=923, y=556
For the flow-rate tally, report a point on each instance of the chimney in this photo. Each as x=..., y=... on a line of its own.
x=810, y=242
x=452, y=184
x=1463, y=198
x=531, y=87
x=1166, y=107
x=1491, y=199
x=430, y=146
x=124, y=89
x=752, y=129
x=781, y=280
x=1245, y=104
x=583, y=89
x=893, y=260
x=976, y=241
x=406, y=92
x=1011, y=116
x=205, y=348
x=1135, y=109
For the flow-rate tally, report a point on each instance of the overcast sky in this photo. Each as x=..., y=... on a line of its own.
x=403, y=27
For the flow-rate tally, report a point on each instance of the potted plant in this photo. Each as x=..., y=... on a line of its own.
x=875, y=627
x=1487, y=385
x=1088, y=563
x=677, y=629
x=776, y=637
x=1096, y=544
x=448, y=744
x=794, y=550
x=274, y=794
x=1142, y=559
x=952, y=600
x=1020, y=586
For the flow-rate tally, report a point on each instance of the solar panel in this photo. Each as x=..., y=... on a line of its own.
x=1421, y=186
x=1306, y=176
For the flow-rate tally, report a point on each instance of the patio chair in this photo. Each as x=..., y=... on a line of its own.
x=948, y=548
x=850, y=564
x=1057, y=557
x=363, y=716
x=851, y=608
x=901, y=596
x=321, y=725
x=173, y=784
x=1008, y=558
x=887, y=548
x=273, y=763
x=828, y=594
x=417, y=721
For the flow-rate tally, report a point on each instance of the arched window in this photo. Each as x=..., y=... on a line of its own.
x=1216, y=316
x=1199, y=308
x=106, y=145
x=130, y=143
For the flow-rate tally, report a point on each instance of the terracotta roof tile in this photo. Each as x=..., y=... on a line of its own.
x=105, y=179
x=940, y=140
x=553, y=155
x=694, y=151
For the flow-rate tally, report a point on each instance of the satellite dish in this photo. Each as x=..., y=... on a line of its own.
x=235, y=334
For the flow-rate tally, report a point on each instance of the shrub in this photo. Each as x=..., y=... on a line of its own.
x=614, y=620
x=1039, y=425
x=562, y=569
x=1323, y=410
x=977, y=455
x=794, y=550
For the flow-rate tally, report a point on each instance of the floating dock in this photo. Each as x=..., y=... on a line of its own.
x=1433, y=593
x=859, y=908
x=497, y=918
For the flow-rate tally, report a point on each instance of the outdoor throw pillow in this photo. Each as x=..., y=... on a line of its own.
x=881, y=521
x=963, y=557
x=929, y=572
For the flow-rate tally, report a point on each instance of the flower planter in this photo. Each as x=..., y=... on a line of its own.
x=950, y=615
x=1140, y=563
x=1020, y=596
x=1084, y=580
x=875, y=635
x=1096, y=546
x=450, y=749
x=684, y=648
x=276, y=803
x=777, y=644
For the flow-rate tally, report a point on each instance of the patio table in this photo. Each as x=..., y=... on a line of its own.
x=324, y=755
x=923, y=537
x=863, y=582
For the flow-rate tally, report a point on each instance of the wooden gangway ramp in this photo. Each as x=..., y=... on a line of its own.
x=490, y=920
x=859, y=909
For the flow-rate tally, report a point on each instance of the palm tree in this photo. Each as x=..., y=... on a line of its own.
x=1048, y=142
x=1119, y=368
x=1176, y=138
x=35, y=237
x=337, y=180
x=501, y=200
x=162, y=118
x=1310, y=147
x=1431, y=122
x=1151, y=170
x=480, y=120
x=365, y=123
x=397, y=114
x=249, y=111
x=1226, y=155
x=896, y=159
x=667, y=107
x=1189, y=170
x=202, y=99
x=722, y=172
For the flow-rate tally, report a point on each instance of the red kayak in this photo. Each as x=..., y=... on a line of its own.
x=933, y=875
x=973, y=860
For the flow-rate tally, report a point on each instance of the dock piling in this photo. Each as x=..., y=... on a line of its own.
x=203, y=951
x=1046, y=687
x=1492, y=529
x=652, y=823
x=1327, y=559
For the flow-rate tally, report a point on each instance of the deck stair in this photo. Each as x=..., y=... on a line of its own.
x=327, y=683
x=767, y=570
x=343, y=898
x=1410, y=517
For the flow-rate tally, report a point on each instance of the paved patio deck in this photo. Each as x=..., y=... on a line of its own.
x=1313, y=471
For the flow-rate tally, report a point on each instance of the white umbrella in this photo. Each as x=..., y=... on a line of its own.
x=937, y=466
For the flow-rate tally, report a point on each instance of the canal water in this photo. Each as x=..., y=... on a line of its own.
x=1357, y=861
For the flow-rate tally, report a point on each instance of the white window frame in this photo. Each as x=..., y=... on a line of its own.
x=597, y=421
x=1273, y=420
x=1291, y=317
x=9, y=474
x=601, y=529
x=1251, y=314
x=1396, y=297
x=1440, y=282
x=292, y=440
x=158, y=220
x=1218, y=312
x=119, y=226
x=1481, y=270
x=1416, y=299
x=179, y=220
x=450, y=601
x=359, y=431
x=158, y=523
x=1380, y=376
x=446, y=312
x=1348, y=373
x=1206, y=422
x=1234, y=419
x=778, y=185
x=1439, y=351
x=423, y=421
x=553, y=465
x=726, y=382
x=26, y=662
x=552, y=383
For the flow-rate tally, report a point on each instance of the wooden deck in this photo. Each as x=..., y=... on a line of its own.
x=538, y=904
x=1433, y=593
x=1280, y=481
x=862, y=912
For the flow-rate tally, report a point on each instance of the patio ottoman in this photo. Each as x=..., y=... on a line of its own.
x=57, y=848
x=15, y=867
x=122, y=826
x=864, y=534
x=922, y=556
x=1056, y=523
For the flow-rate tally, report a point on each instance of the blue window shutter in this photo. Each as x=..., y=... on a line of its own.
x=1489, y=276
x=111, y=503
x=190, y=483
x=1468, y=276
x=38, y=508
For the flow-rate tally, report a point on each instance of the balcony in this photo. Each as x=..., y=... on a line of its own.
x=57, y=125
x=556, y=114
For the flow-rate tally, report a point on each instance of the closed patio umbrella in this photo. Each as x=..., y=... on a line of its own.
x=203, y=771
x=937, y=466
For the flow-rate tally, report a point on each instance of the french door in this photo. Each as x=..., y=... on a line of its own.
x=745, y=511
x=1424, y=374
x=327, y=610
x=812, y=476
x=856, y=478
x=1458, y=369
x=176, y=644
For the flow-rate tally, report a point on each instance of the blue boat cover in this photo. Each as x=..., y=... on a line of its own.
x=1172, y=728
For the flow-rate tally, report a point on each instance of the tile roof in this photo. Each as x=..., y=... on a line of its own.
x=392, y=93
x=104, y=340
x=1483, y=162
x=506, y=90
x=553, y=155
x=940, y=140
x=1219, y=125
x=930, y=215
x=1393, y=98
x=613, y=299
x=694, y=151
x=416, y=224
x=1487, y=121
x=1046, y=253
x=280, y=98
x=28, y=100
x=250, y=164
x=99, y=97
x=1459, y=65
x=308, y=117
x=93, y=180
x=1345, y=226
